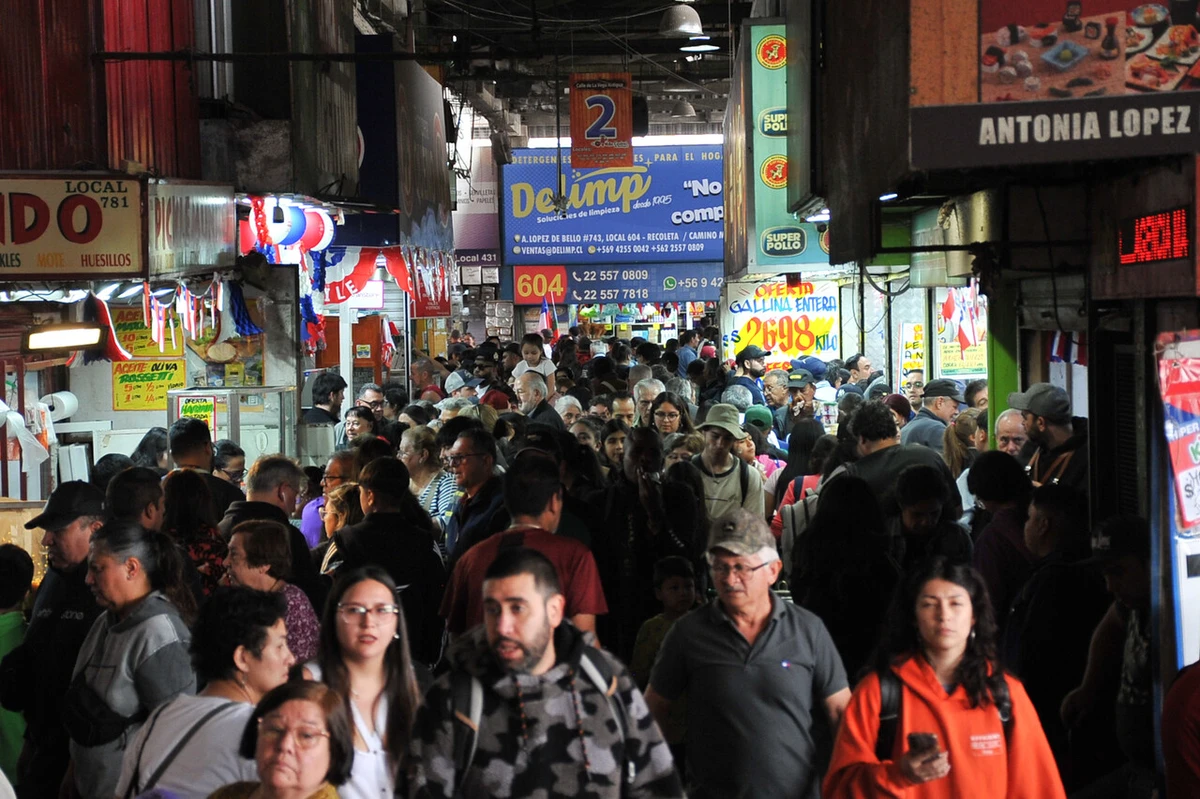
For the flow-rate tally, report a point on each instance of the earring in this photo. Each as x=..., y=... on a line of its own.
x=972, y=633
x=396, y=636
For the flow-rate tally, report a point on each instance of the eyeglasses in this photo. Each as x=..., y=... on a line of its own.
x=738, y=570
x=329, y=477
x=359, y=612
x=376, y=405
x=665, y=416
x=327, y=510
x=453, y=461
x=273, y=733
x=234, y=476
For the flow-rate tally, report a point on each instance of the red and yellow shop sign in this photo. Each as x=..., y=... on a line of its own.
x=71, y=226
x=532, y=283
x=134, y=336
x=601, y=120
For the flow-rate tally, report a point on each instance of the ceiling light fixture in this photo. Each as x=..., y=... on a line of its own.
x=678, y=86
x=136, y=288
x=883, y=198
x=680, y=20
x=699, y=44
x=683, y=110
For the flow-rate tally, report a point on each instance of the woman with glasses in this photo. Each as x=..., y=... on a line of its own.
x=364, y=659
x=301, y=741
x=190, y=746
x=188, y=519
x=669, y=414
x=229, y=462
x=260, y=557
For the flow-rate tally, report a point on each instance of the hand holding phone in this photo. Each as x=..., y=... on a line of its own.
x=923, y=762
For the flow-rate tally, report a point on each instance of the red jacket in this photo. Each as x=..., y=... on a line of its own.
x=983, y=764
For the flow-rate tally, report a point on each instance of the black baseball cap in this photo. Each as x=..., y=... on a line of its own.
x=799, y=378
x=66, y=504
x=1118, y=536
x=944, y=387
x=750, y=353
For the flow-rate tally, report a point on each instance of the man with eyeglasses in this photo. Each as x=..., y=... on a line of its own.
x=480, y=511
x=338, y=471
x=388, y=537
x=760, y=663
x=914, y=387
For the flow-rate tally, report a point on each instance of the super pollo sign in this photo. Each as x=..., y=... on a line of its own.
x=71, y=226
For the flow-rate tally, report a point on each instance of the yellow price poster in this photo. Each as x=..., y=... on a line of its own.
x=200, y=406
x=134, y=336
x=143, y=385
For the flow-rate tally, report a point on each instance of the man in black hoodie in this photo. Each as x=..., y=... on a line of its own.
x=398, y=536
x=1057, y=451
x=34, y=676
x=272, y=485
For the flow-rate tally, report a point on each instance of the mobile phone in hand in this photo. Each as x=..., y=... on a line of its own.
x=922, y=741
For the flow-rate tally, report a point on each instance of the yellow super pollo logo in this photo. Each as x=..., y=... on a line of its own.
x=621, y=186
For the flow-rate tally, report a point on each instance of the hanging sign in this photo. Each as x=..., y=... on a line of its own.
x=143, y=385
x=962, y=333
x=135, y=338
x=788, y=321
x=667, y=207
x=199, y=406
x=1179, y=385
x=193, y=228
x=912, y=347
x=74, y=225
x=601, y=120
x=431, y=288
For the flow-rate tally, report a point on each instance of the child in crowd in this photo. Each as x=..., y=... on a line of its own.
x=16, y=577
x=534, y=354
x=675, y=588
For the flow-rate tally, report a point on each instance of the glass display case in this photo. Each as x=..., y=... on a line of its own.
x=261, y=419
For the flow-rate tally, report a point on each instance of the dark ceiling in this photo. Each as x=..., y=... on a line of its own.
x=516, y=50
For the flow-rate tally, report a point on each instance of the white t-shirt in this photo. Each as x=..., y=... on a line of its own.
x=207, y=762
x=370, y=777
x=545, y=368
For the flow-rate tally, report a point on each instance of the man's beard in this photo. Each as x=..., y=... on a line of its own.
x=532, y=653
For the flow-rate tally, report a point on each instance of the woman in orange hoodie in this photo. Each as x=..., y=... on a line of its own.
x=965, y=729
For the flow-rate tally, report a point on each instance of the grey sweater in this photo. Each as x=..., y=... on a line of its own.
x=133, y=664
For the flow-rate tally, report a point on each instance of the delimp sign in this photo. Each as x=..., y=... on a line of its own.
x=71, y=226
x=667, y=207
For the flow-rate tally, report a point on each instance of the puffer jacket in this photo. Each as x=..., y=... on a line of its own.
x=528, y=741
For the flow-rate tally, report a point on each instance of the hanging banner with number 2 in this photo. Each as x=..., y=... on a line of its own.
x=601, y=120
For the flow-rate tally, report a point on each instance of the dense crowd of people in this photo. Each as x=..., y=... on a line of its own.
x=595, y=568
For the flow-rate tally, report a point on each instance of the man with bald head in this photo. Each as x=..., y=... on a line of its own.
x=1010, y=432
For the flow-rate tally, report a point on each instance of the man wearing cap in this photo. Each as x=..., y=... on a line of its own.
x=1058, y=441
x=491, y=391
x=1120, y=654
x=942, y=398
x=728, y=482
x=34, y=677
x=802, y=391
x=460, y=385
x=765, y=668
x=751, y=365
x=532, y=392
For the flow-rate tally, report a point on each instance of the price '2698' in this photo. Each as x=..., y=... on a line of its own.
x=787, y=333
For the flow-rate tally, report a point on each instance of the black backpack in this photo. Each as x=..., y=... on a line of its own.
x=890, y=706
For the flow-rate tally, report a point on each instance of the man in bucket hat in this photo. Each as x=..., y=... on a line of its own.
x=728, y=482
x=760, y=663
x=34, y=676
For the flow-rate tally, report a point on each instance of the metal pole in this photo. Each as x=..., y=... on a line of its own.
x=346, y=346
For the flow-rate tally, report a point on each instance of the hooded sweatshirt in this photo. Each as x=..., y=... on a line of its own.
x=529, y=734
x=984, y=764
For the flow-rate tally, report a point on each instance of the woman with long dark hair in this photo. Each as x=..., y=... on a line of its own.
x=669, y=414
x=364, y=657
x=135, y=656
x=962, y=726
x=612, y=445
x=188, y=519
x=151, y=451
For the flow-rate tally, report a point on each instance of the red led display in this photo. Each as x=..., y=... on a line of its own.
x=1165, y=236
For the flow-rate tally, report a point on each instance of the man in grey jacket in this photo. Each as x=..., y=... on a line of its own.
x=942, y=398
x=542, y=726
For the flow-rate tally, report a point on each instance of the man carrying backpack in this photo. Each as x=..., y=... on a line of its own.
x=728, y=482
x=530, y=708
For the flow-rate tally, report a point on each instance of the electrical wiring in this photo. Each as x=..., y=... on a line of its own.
x=559, y=20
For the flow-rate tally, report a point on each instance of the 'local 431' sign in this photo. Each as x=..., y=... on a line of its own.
x=667, y=207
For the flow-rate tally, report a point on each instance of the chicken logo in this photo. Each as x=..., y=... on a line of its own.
x=772, y=52
x=774, y=172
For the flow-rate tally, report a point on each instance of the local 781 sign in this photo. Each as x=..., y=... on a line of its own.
x=78, y=226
